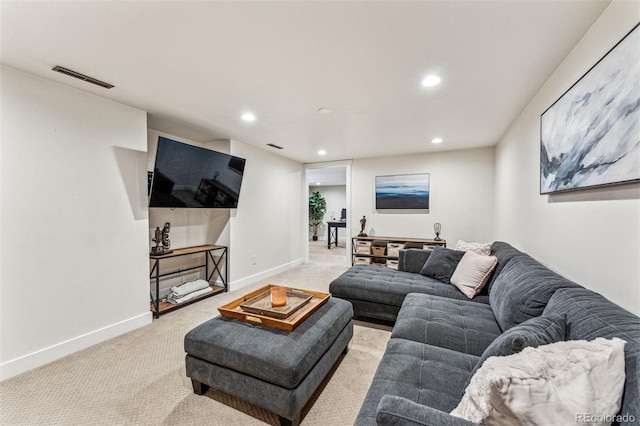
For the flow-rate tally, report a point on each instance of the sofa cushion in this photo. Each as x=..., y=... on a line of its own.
x=531, y=333
x=504, y=252
x=522, y=290
x=459, y=325
x=387, y=286
x=472, y=273
x=591, y=315
x=441, y=264
x=412, y=260
x=427, y=375
x=559, y=383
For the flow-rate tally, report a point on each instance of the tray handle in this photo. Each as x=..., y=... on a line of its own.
x=253, y=319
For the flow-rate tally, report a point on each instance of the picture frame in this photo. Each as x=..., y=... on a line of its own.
x=590, y=136
x=402, y=192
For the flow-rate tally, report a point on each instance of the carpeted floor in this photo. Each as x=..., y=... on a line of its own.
x=139, y=377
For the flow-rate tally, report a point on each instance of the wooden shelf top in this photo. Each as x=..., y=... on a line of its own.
x=400, y=239
x=187, y=250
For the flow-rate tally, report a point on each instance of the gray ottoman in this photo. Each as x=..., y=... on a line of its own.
x=273, y=369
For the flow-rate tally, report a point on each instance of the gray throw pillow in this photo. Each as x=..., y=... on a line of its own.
x=533, y=332
x=441, y=264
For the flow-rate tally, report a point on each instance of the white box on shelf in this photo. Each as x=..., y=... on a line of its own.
x=393, y=249
x=363, y=247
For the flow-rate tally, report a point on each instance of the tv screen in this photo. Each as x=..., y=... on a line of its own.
x=193, y=177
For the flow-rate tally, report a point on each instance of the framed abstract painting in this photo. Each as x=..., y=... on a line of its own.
x=590, y=136
x=402, y=192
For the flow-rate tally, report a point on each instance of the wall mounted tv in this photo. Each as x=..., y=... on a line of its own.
x=189, y=176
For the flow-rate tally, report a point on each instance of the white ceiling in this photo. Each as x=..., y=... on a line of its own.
x=196, y=66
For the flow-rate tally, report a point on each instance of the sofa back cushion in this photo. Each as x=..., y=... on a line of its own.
x=522, y=290
x=589, y=316
x=504, y=252
x=412, y=260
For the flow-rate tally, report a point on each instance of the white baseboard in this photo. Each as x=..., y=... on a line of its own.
x=44, y=356
x=238, y=284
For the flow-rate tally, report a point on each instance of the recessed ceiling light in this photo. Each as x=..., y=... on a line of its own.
x=318, y=184
x=322, y=152
x=431, y=80
x=325, y=110
x=436, y=140
x=248, y=117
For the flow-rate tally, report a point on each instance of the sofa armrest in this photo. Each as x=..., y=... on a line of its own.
x=412, y=260
x=398, y=411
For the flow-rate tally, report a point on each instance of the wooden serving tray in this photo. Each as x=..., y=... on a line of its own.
x=261, y=304
x=234, y=310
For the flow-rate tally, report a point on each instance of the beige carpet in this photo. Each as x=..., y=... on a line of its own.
x=139, y=378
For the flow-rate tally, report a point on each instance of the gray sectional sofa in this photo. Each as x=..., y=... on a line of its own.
x=439, y=335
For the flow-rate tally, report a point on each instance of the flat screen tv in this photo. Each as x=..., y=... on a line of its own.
x=189, y=176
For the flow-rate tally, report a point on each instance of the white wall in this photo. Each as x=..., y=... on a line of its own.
x=589, y=236
x=268, y=221
x=336, y=199
x=73, y=218
x=461, y=195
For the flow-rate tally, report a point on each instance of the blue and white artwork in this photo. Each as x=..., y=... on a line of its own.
x=591, y=135
x=402, y=192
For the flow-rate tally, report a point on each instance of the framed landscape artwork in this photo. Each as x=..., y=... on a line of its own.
x=402, y=192
x=590, y=137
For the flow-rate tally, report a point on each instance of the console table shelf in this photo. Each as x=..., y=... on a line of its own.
x=377, y=248
x=157, y=307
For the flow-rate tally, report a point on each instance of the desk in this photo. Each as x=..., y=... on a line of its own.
x=334, y=225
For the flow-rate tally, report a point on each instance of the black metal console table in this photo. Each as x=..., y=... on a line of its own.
x=157, y=307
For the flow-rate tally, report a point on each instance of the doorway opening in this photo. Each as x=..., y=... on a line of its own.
x=329, y=242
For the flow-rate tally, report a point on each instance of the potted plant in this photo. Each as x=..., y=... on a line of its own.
x=317, y=209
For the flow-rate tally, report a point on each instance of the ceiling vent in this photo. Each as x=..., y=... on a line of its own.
x=274, y=146
x=77, y=75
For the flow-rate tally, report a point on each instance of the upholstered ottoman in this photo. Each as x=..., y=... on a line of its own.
x=273, y=369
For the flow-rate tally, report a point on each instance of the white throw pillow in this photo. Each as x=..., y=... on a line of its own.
x=480, y=248
x=473, y=272
x=561, y=383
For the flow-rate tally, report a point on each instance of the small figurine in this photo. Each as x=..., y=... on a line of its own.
x=166, y=242
x=158, y=249
x=363, y=223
